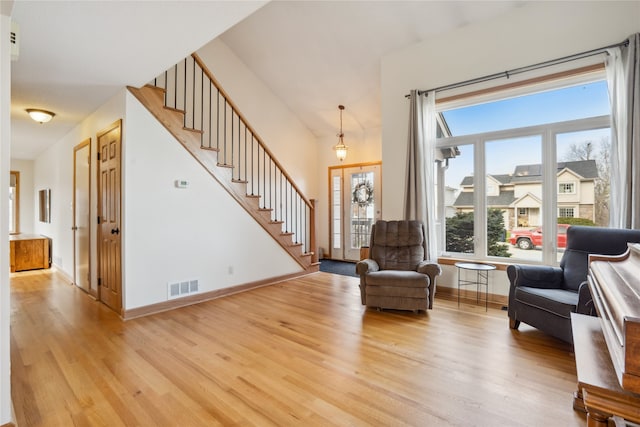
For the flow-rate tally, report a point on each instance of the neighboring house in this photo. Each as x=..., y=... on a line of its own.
x=519, y=195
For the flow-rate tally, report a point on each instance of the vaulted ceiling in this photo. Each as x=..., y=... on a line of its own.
x=314, y=55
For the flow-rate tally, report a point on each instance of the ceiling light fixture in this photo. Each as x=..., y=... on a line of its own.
x=40, y=116
x=340, y=148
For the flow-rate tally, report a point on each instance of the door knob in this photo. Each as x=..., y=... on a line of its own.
x=115, y=231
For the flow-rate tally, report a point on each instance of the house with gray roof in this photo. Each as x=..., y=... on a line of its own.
x=519, y=195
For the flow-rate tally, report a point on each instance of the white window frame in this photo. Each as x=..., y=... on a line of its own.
x=573, y=208
x=548, y=133
x=567, y=183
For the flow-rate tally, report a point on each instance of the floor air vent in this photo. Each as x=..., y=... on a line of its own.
x=182, y=288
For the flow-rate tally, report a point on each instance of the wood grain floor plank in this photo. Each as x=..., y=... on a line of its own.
x=300, y=352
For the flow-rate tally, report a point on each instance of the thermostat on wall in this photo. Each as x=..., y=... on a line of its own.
x=182, y=183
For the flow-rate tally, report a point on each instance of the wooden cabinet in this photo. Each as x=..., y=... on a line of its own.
x=29, y=252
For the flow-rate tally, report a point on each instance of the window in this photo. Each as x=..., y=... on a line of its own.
x=537, y=153
x=566, y=188
x=566, y=213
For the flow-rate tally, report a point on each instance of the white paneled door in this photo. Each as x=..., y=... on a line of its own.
x=81, y=203
x=355, y=206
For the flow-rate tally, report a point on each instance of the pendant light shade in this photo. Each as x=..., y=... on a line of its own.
x=340, y=148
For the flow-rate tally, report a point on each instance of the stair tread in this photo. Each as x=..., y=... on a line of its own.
x=193, y=130
x=225, y=165
x=177, y=110
x=240, y=181
x=158, y=88
x=210, y=148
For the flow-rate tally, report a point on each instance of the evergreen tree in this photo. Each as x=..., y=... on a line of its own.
x=460, y=233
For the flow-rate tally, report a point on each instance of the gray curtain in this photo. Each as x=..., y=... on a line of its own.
x=623, y=78
x=420, y=196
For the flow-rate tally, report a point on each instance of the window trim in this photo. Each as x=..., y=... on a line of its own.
x=573, y=208
x=548, y=134
x=571, y=183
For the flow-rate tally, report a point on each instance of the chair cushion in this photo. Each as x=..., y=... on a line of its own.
x=399, y=278
x=398, y=245
x=397, y=291
x=560, y=302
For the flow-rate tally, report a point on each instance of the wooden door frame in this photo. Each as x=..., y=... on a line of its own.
x=342, y=168
x=83, y=144
x=112, y=126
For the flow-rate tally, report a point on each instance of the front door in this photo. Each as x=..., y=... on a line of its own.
x=81, y=200
x=355, y=206
x=109, y=228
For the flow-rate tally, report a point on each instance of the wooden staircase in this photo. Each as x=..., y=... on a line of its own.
x=173, y=119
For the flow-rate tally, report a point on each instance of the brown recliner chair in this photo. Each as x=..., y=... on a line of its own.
x=396, y=275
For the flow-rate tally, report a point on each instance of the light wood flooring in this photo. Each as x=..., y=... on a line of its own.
x=302, y=352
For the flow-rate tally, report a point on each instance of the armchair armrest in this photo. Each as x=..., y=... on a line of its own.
x=366, y=266
x=535, y=276
x=430, y=268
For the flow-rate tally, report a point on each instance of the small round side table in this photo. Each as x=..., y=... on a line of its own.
x=482, y=279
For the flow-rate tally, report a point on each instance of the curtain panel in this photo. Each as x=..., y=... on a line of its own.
x=623, y=79
x=420, y=188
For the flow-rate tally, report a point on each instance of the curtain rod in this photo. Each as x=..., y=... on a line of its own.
x=520, y=70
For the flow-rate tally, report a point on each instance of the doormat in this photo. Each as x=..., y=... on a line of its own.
x=344, y=268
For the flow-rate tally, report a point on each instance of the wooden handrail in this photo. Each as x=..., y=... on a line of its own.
x=249, y=127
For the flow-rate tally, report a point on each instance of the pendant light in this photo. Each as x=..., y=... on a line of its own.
x=340, y=148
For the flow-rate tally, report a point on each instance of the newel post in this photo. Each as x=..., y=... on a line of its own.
x=312, y=227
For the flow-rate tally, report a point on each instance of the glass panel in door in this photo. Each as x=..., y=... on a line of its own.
x=361, y=203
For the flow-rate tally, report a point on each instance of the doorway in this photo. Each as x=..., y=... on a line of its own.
x=81, y=204
x=355, y=205
x=109, y=217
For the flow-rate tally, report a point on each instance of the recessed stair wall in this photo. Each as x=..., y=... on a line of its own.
x=192, y=106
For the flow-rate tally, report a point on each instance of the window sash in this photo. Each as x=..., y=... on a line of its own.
x=548, y=134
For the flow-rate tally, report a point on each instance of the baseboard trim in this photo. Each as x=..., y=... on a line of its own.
x=62, y=273
x=8, y=425
x=470, y=297
x=207, y=296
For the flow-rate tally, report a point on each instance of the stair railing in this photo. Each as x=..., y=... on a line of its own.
x=190, y=87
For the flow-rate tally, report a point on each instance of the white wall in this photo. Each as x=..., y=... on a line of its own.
x=287, y=138
x=533, y=33
x=54, y=169
x=27, y=200
x=173, y=234
x=5, y=154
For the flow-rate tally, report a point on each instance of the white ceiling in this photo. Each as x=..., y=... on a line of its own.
x=75, y=55
x=314, y=55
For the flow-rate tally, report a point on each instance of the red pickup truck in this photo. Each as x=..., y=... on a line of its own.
x=529, y=238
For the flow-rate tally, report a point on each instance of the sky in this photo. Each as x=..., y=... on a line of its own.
x=576, y=102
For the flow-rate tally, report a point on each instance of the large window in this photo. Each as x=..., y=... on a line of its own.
x=541, y=158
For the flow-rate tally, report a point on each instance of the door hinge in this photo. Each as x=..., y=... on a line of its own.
x=98, y=219
x=98, y=155
x=99, y=281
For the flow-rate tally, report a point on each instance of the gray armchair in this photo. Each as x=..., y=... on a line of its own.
x=396, y=275
x=544, y=297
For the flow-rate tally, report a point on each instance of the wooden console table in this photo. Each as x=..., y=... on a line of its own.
x=599, y=393
x=28, y=252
